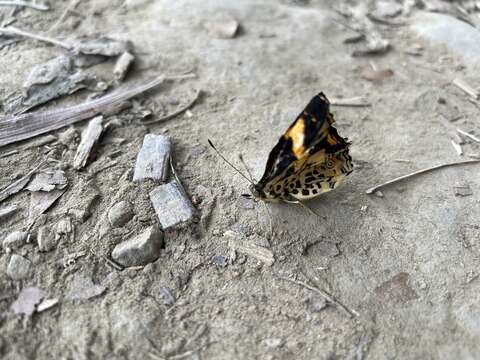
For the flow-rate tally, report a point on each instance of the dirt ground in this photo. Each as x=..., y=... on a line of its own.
x=405, y=261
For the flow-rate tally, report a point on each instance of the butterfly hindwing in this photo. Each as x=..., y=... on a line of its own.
x=309, y=159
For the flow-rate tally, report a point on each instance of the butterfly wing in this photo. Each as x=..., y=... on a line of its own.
x=310, y=143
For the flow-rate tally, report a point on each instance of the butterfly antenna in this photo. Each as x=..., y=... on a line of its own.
x=246, y=167
x=228, y=162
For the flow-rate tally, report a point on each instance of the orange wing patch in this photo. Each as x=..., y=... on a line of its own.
x=297, y=134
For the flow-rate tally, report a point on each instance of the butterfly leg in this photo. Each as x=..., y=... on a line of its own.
x=269, y=218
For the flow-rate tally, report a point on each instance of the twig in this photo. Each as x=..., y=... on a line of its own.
x=324, y=294
x=354, y=102
x=13, y=152
x=470, y=136
x=31, y=5
x=373, y=189
x=17, y=32
x=457, y=148
x=25, y=126
x=463, y=85
x=179, y=356
x=178, y=112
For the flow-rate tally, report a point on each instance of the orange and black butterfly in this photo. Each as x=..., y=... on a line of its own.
x=308, y=160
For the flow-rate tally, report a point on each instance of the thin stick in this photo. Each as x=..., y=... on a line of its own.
x=457, y=148
x=323, y=294
x=463, y=85
x=179, y=356
x=375, y=188
x=31, y=5
x=178, y=112
x=354, y=102
x=470, y=136
x=26, y=126
x=17, y=32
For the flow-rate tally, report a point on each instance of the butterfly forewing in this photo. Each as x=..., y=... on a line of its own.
x=309, y=159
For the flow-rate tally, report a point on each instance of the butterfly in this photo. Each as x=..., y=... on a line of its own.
x=309, y=159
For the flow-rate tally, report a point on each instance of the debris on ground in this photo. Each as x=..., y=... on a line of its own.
x=82, y=288
x=15, y=240
x=457, y=148
x=46, y=238
x=27, y=301
x=120, y=213
x=122, y=65
x=46, y=304
x=7, y=212
x=89, y=139
x=376, y=75
x=55, y=78
x=224, y=26
x=141, y=249
x=462, y=189
x=19, y=268
x=250, y=249
x=19, y=184
x=153, y=159
x=48, y=180
x=41, y=201
x=171, y=204
x=103, y=46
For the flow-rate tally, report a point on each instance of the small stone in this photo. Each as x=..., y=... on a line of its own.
x=462, y=190
x=153, y=159
x=82, y=288
x=15, y=240
x=7, y=212
x=171, y=205
x=273, y=343
x=224, y=26
x=140, y=250
x=46, y=304
x=19, y=268
x=46, y=239
x=120, y=213
x=48, y=181
x=90, y=137
x=219, y=260
x=27, y=300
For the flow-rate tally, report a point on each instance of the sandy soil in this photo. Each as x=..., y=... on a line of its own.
x=406, y=262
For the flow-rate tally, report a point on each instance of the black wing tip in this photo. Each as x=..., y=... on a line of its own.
x=318, y=106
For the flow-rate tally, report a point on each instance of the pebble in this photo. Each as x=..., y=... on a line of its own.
x=273, y=343
x=15, y=240
x=141, y=249
x=46, y=239
x=19, y=268
x=152, y=160
x=171, y=204
x=455, y=34
x=120, y=213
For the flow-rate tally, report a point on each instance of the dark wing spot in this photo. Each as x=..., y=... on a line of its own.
x=294, y=191
x=298, y=184
x=305, y=192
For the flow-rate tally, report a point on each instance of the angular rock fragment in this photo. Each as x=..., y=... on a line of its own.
x=48, y=181
x=90, y=136
x=19, y=268
x=46, y=239
x=153, y=158
x=27, y=300
x=141, y=249
x=120, y=213
x=122, y=65
x=83, y=288
x=15, y=240
x=41, y=201
x=223, y=27
x=46, y=304
x=171, y=204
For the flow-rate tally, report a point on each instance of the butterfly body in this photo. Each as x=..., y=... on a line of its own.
x=308, y=160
